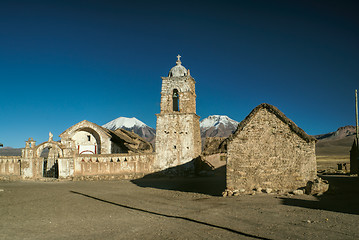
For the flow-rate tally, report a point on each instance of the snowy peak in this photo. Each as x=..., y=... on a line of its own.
x=133, y=125
x=124, y=122
x=217, y=126
x=216, y=121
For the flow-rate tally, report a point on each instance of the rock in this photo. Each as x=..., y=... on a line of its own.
x=268, y=190
x=225, y=194
x=242, y=190
x=253, y=193
x=229, y=193
x=298, y=192
x=259, y=189
x=317, y=187
x=236, y=194
x=1, y=190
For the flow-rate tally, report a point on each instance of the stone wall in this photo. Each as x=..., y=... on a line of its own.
x=126, y=165
x=10, y=167
x=267, y=153
x=178, y=139
x=186, y=90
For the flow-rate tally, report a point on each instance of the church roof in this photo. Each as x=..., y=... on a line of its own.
x=178, y=70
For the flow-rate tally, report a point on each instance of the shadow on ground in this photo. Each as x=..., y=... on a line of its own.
x=203, y=180
x=342, y=196
x=170, y=216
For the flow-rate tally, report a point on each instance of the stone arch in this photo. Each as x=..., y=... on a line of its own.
x=100, y=137
x=51, y=144
x=94, y=133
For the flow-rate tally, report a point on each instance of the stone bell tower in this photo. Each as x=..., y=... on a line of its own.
x=178, y=137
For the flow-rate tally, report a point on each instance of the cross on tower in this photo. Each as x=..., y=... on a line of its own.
x=178, y=57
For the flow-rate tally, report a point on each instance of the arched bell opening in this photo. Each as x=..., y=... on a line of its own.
x=175, y=100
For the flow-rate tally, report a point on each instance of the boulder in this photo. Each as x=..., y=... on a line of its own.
x=317, y=187
x=268, y=190
x=298, y=192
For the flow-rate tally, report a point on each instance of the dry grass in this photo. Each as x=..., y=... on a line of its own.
x=330, y=162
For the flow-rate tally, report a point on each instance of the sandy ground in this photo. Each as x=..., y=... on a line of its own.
x=173, y=208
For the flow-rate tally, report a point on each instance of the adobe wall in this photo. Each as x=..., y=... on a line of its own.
x=10, y=167
x=125, y=166
x=268, y=154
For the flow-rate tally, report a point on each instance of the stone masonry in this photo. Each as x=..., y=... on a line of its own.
x=269, y=151
x=178, y=138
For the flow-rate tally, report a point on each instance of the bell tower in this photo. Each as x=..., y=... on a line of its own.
x=178, y=137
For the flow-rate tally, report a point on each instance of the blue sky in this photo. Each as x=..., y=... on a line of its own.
x=65, y=61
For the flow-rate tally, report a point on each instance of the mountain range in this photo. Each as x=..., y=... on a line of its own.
x=212, y=126
x=338, y=142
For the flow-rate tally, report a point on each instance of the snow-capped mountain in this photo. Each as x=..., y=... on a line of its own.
x=132, y=124
x=217, y=126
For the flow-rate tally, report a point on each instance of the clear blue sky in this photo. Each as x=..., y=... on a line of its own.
x=65, y=61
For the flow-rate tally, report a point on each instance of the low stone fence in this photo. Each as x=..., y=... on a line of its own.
x=125, y=166
x=10, y=167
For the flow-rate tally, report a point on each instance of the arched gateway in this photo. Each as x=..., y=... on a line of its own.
x=50, y=160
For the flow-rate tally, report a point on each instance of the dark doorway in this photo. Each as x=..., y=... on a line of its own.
x=51, y=171
x=51, y=168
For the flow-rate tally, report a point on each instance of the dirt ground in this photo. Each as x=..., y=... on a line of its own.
x=173, y=208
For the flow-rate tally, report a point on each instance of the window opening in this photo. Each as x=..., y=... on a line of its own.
x=175, y=100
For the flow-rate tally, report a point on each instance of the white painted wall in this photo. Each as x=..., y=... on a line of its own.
x=85, y=142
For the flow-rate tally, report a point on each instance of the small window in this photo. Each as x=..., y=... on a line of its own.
x=174, y=147
x=89, y=137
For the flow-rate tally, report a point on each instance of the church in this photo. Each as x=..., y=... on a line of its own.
x=87, y=149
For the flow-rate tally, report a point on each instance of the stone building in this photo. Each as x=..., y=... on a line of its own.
x=178, y=137
x=268, y=150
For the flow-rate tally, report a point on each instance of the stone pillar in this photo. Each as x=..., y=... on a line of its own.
x=29, y=167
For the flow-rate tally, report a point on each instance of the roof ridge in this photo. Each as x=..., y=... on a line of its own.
x=272, y=109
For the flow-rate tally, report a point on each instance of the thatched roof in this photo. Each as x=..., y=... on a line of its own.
x=272, y=109
x=129, y=140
